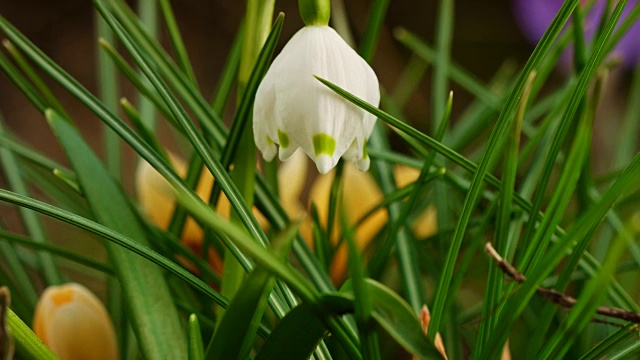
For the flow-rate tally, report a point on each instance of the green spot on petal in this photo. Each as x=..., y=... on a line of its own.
x=283, y=138
x=323, y=144
x=269, y=141
x=365, y=154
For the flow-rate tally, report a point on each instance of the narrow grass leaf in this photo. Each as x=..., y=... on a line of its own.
x=14, y=175
x=607, y=346
x=114, y=237
x=196, y=349
x=362, y=299
x=236, y=332
x=287, y=337
x=397, y=318
x=372, y=32
x=47, y=94
x=176, y=41
x=28, y=345
x=155, y=318
x=108, y=88
x=8, y=237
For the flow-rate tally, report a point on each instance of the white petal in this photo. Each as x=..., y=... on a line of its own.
x=363, y=164
x=319, y=121
x=264, y=118
x=285, y=153
x=325, y=163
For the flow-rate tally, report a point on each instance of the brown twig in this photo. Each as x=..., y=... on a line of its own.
x=556, y=297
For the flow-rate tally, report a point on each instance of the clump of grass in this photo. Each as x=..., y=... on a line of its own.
x=510, y=175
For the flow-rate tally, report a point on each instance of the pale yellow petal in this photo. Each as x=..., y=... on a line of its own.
x=426, y=223
x=154, y=194
x=292, y=176
x=506, y=353
x=74, y=324
x=405, y=175
x=359, y=194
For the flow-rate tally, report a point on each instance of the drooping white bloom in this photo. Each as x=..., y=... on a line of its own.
x=293, y=109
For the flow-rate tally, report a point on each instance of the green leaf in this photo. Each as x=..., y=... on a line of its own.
x=15, y=178
x=234, y=336
x=196, y=349
x=176, y=40
x=362, y=299
x=116, y=238
x=154, y=315
x=244, y=242
x=397, y=318
x=28, y=345
x=296, y=335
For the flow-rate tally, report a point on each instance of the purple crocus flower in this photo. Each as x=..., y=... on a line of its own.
x=534, y=16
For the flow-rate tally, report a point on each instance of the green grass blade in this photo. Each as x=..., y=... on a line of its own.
x=362, y=299
x=155, y=318
x=503, y=121
x=243, y=115
x=241, y=239
x=21, y=83
x=398, y=319
x=47, y=94
x=176, y=41
x=197, y=139
x=141, y=128
x=92, y=103
x=630, y=127
x=287, y=338
x=108, y=84
x=148, y=11
x=455, y=72
x=28, y=345
x=235, y=335
x=54, y=250
x=607, y=345
x=134, y=78
x=114, y=237
x=583, y=226
x=494, y=289
x=229, y=73
x=32, y=223
x=590, y=298
x=145, y=44
x=372, y=32
x=444, y=29
x=196, y=349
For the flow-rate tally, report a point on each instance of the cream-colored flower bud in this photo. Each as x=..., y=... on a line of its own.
x=294, y=110
x=72, y=321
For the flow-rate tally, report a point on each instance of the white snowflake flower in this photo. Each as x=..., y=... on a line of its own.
x=294, y=110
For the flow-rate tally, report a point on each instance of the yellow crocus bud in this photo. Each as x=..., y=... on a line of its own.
x=72, y=321
x=158, y=203
x=360, y=194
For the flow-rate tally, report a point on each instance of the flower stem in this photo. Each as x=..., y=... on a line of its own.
x=258, y=20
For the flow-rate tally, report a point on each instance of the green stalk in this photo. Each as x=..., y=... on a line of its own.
x=259, y=16
x=444, y=29
x=494, y=283
x=372, y=33
x=28, y=345
x=148, y=12
x=32, y=223
x=108, y=93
